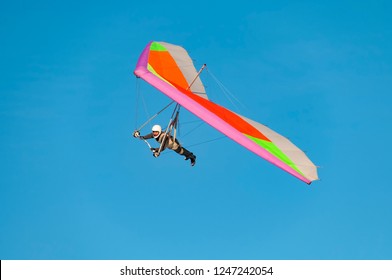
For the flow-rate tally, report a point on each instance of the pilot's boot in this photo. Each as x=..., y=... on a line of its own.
x=189, y=155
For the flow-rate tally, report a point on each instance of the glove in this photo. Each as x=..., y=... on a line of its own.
x=155, y=152
x=136, y=134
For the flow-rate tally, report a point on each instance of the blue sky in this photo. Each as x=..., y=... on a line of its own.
x=75, y=185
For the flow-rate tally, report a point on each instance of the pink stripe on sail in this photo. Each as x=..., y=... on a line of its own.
x=143, y=59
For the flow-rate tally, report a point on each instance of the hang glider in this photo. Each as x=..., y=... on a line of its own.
x=169, y=69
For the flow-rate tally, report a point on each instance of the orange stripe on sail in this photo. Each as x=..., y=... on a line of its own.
x=164, y=64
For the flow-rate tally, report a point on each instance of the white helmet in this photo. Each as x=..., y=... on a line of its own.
x=157, y=128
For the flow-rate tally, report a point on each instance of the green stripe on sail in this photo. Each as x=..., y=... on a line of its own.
x=157, y=47
x=273, y=149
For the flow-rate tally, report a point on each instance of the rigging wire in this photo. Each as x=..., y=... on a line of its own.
x=227, y=93
x=146, y=111
x=153, y=117
x=207, y=141
x=139, y=95
x=137, y=89
x=194, y=129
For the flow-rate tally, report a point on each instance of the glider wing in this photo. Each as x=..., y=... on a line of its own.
x=169, y=68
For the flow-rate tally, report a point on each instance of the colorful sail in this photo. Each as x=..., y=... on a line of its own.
x=169, y=68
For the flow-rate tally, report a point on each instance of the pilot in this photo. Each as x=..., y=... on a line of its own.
x=169, y=142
